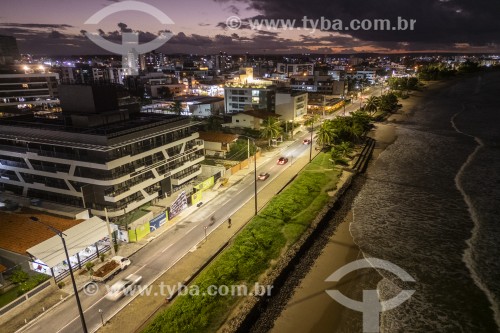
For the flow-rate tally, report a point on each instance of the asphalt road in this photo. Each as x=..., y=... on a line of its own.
x=165, y=250
x=168, y=248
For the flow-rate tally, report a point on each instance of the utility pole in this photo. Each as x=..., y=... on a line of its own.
x=75, y=289
x=311, y=145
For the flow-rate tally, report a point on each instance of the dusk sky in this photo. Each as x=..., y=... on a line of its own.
x=54, y=27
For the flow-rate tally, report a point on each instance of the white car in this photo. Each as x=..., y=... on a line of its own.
x=124, y=262
x=123, y=287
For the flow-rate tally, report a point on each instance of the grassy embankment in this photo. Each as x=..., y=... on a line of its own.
x=267, y=235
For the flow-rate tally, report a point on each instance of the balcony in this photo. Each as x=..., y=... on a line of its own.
x=180, y=181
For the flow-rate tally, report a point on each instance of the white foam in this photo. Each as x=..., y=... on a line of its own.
x=467, y=255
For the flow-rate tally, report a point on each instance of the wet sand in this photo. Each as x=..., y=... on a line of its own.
x=311, y=309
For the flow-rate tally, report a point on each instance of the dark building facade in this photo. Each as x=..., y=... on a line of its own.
x=98, y=156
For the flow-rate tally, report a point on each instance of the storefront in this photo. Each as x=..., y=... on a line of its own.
x=85, y=242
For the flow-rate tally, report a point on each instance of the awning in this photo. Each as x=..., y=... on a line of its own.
x=79, y=237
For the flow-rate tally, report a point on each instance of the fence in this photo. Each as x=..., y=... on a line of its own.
x=81, y=262
x=24, y=297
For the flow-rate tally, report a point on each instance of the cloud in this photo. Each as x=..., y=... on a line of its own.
x=36, y=25
x=123, y=27
x=437, y=22
x=233, y=10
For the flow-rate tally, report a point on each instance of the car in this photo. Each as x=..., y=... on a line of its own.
x=263, y=176
x=282, y=160
x=123, y=287
x=306, y=142
x=124, y=262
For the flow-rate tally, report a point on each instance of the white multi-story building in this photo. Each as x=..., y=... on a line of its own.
x=97, y=156
x=239, y=96
x=295, y=69
x=292, y=106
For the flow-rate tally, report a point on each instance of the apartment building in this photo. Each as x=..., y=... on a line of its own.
x=24, y=91
x=239, y=97
x=97, y=156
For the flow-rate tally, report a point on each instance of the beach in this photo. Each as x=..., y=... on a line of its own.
x=311, y=309
x=418, y=206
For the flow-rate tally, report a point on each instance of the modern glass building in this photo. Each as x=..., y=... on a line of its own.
x=97, y=156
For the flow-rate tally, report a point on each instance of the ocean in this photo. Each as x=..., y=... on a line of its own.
x=431, y=205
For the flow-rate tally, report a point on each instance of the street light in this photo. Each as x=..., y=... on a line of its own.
x=75, y=289
x=102, y=320
x=254, y=171
x=311, y=145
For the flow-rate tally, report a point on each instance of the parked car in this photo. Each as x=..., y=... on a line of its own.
x=123, y=287
x=282, y=160
x=263, y=176
x=306, y=142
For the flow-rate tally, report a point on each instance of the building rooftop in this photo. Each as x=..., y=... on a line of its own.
x=218, y=137
x=19, y=233
x=198, y=99
x=103, y=137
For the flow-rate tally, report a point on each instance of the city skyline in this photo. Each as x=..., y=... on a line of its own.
x=201, y=27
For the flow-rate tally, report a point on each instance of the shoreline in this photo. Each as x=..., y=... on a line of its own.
x=310, y=309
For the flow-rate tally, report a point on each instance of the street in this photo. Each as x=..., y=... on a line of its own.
x=168, y=248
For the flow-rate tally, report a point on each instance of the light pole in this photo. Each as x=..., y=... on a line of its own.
x=311, y=145
x=254, y=170
x=75, y=289
x=102, y=319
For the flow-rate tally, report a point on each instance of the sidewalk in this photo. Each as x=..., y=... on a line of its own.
x=133, y=317
x=128, y=249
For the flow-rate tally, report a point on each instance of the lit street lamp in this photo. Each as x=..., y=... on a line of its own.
x=75, y=289
x=254, y=171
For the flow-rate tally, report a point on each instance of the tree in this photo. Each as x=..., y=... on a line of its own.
x=345, y=148
x=164, y=92
x=177, y=108
x=19, y=276
x=388, y=102
x=270, y=129
x=213, y=124
x=326, y=134
x=337, y=157
x=372, y=104
x=238, y=151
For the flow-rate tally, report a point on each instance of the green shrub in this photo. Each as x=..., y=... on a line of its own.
x=19, y=276
x=31, y=283
x=89, y=265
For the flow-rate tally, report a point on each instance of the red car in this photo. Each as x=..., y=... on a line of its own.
x=306, y=142
x=282, y=160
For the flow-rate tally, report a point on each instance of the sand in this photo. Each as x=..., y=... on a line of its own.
x=311, y=309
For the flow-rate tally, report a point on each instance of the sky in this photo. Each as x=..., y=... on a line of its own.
x=57, y=27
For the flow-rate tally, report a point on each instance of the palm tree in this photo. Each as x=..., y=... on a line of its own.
x=372, y=104
x=326, y=135
x=177, y=107
x=345, y=148
x=270, y=128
